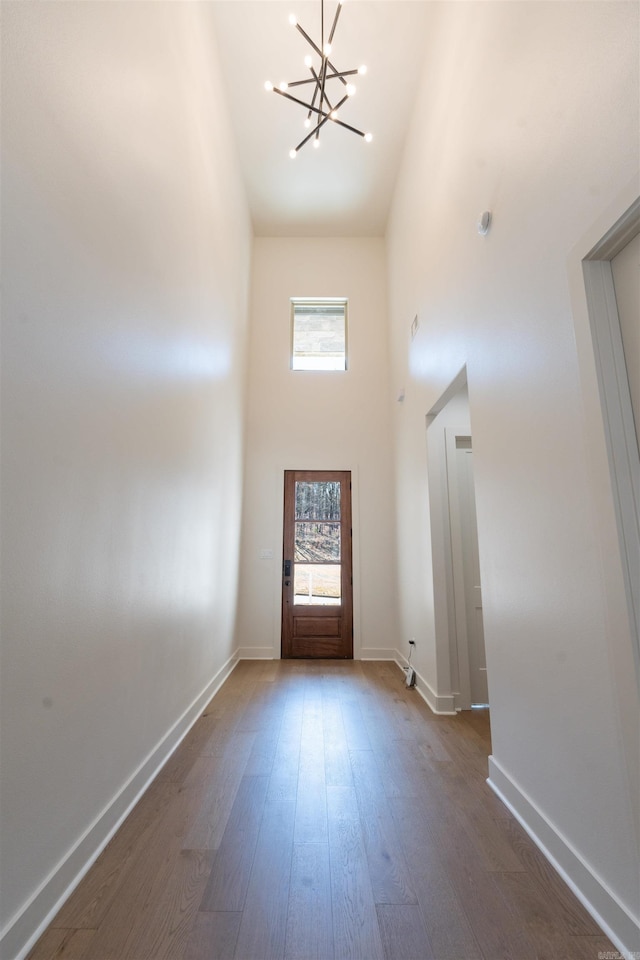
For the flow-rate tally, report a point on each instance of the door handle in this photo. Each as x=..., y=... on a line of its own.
x=286, y=569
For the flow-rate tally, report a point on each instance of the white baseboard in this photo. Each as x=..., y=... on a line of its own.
x=366, y=653
x=378, y=653
x=612, y=916
x=22, y=931
x=255, y=653
x=437, y=703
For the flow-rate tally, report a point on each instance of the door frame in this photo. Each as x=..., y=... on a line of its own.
x=347, y=558
x=458, y=629
x=446, y=694
x=612, y=453
x=459, y=636
x=617, y=412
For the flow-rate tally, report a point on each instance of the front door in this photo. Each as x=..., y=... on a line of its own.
x=317, y=608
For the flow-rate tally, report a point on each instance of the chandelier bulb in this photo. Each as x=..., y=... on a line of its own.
x=316, y=143
x=292, y=20
x=350, y=90
x=283, y=86
x=307, y=123
x=334, y=114
x=308, y=61
x=362, y=70
x=292, y=154
x=326, y=49
x=268, y=86
x=368, y=137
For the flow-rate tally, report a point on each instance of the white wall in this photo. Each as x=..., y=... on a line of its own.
x=529, y=110
x=318, y=421
x=126, y=252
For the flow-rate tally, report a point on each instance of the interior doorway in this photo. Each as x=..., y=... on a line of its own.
x=317, y=584
x=457, y=591
x=467, y=589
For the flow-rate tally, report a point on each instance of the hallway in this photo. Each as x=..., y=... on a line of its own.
x=318, y=809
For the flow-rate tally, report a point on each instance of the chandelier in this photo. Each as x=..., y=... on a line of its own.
x=328, y=90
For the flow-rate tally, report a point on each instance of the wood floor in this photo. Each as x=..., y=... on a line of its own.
x=318, y=809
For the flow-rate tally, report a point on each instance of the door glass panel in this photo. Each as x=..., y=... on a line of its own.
x=317, y=542
x=317, y=583
x=318, y=501
x=317, y=569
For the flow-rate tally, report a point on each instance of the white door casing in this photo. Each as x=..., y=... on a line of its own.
x=617, y=409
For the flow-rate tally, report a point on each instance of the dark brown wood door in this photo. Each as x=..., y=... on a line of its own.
x=317, y=587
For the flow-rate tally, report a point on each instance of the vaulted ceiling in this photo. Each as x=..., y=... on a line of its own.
x=344, y=188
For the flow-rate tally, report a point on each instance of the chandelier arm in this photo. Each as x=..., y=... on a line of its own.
x=337, y=72
x=313, y=133
x=316, y=79
x=315, y=92
x=307, y=106
x=300, y=83
x=309, y=40
x=323, y=94
x=341, y=74
x=313, y=100
x=348, y=127
x=318, y=88
x=323, y=77
x=335, y=20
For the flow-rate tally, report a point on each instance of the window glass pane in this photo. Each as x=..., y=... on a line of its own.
x=319, y=335
x=316, y=584
x=318, y=501
x=317, y=542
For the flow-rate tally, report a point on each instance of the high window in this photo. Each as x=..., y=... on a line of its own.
x=319, y=334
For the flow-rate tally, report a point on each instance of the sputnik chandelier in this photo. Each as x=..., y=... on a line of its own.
x=321, y=108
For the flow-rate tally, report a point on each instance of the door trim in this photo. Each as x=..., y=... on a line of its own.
x=458, y=629
x=617, y=412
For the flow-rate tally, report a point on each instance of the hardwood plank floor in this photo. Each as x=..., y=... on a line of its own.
x=318, y=810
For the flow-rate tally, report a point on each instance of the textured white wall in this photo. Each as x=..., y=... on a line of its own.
x=529, y=110
x=318, y=421
x=126, y=251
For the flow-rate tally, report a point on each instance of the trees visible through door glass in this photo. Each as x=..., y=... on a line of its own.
x=318, y=500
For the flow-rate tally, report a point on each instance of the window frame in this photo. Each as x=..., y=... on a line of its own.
x=320, y=301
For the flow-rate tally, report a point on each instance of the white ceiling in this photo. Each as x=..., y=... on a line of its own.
x=344, y=188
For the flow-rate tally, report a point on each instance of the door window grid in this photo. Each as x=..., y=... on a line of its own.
x=317, y=547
